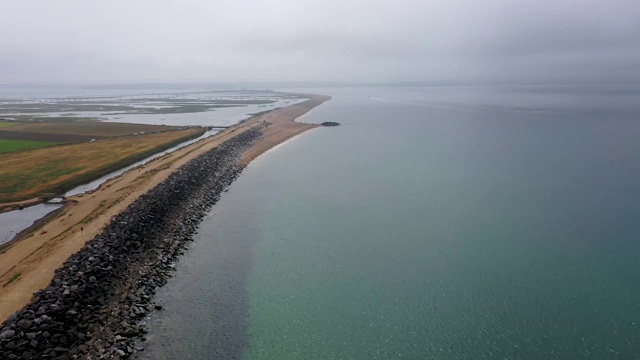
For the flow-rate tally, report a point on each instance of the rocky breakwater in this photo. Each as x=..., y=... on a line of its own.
x=93, y=306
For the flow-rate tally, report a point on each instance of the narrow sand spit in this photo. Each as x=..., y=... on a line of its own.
x=29, y=264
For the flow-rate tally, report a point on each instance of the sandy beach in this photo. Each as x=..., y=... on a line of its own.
x=29, y=264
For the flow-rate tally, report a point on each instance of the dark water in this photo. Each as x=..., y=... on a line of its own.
x=442, y=223
x=13, y=222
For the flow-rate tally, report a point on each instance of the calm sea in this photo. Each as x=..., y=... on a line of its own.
x=435, y=223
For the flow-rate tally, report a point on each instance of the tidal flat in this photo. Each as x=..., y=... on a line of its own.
x=165, y=108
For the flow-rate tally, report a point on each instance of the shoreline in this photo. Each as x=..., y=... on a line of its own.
x=94, y=305
x=30, y=264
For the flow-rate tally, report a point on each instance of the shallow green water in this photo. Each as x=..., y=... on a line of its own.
x=433, y=224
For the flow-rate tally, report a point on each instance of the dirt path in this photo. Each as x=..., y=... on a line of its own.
x=29, y=265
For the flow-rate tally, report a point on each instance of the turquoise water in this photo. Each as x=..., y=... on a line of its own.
x=441, y=223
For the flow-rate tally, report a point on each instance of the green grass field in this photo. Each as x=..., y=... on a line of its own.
x=7, y=145
x=4, y=124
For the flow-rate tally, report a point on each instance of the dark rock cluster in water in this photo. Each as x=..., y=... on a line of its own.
x=330, y=123
x=93, y=306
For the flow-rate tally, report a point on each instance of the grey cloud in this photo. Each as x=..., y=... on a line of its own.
x=286, y=40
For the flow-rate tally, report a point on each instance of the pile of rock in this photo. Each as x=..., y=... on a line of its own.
x=93, y=306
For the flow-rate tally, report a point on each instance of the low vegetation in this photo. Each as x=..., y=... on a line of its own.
x=7, y=145
x=12, y=279
x=48, y=119
x=59, y=106
x=6, y=124
x=181, y=109
x=92, y=128
x=30, y=174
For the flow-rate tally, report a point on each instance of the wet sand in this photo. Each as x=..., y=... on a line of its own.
x=29, y=265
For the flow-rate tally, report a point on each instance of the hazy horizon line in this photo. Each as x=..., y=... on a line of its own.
x=245, y=85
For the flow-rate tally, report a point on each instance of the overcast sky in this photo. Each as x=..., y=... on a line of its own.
x=558, y=41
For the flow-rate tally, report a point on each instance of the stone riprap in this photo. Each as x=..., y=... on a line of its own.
x=93, y=306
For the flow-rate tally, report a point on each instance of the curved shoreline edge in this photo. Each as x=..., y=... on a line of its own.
x=92, y=306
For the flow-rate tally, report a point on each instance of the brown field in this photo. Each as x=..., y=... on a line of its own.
x=35, y=136
x=30, y=174
x=92, y=129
